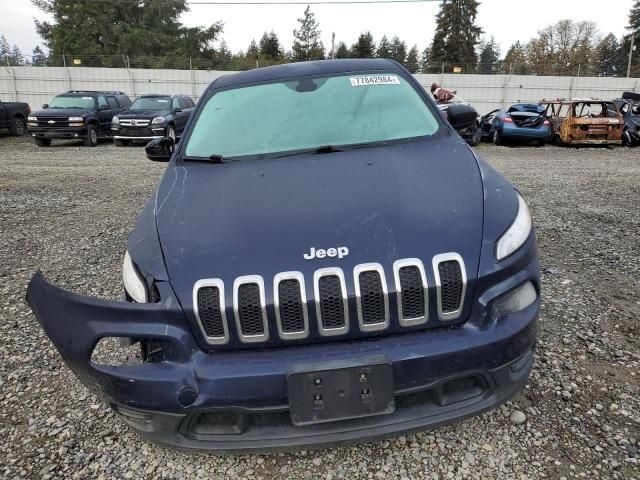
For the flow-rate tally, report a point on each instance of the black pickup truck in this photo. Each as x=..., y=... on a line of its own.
x=13, y=115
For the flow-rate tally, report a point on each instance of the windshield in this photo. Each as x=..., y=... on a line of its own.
x=310, y=112
x=69, y=101
x=151, y=103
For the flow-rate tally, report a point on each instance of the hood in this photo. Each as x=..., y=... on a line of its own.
x=61, y=112
x=259, y=217
x=144, y=114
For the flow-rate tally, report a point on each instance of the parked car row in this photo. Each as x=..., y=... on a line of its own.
x=583, y=121
x=92, y=115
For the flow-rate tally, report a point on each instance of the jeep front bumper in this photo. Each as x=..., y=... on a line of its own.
x=238, y=400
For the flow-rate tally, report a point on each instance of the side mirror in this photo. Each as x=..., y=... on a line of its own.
x=45, y=106
x=461, y=116
x=160, y=149
x=177, y=110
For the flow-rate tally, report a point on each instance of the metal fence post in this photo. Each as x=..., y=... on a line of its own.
x=193, y=78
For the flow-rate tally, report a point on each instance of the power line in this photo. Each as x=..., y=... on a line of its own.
x=297, y=2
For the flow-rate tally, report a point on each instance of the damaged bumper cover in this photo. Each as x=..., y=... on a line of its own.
x=178, y=401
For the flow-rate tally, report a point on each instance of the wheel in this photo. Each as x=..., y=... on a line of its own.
x=171, y=133
x=42, y=142
x=497, y=137
x=475, y=138
x=121, y=143
x=92, y=136
x=17, y=127
x=627, y=141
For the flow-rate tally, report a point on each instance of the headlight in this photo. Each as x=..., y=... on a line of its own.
x=133, y=282
x=115, y=121
x=76, y=119
x=516, y=300
x=32, y=119
x=157, y=120
x=516, y=234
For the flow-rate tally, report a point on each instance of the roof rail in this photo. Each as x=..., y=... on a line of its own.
x=96, y=91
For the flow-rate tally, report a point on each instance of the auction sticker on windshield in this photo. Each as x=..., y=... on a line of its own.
x=374, y=80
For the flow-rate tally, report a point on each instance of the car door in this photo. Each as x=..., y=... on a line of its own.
x=187, y=107
x=114, y=109
x=179, y=115
x=104, y=114
x=4, y=117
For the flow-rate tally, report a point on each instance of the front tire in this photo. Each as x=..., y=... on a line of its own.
x=171, y=133
x=497, y=137
x=18, y=127
x=92, y=136
x=627, y=141
x=42, y=142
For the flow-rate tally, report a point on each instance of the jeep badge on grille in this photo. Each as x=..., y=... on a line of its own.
x=339, y=252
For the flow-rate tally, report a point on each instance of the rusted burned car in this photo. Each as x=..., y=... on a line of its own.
x=584, y=121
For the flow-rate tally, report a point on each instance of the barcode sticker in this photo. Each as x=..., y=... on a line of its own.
x=374, y=80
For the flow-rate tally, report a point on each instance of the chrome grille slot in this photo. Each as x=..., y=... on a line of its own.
x=250, y=309
x=371, y=296
x=412, y=292
x=209, y=309
x=451, y=283
x=290, y=302
x=331, y=301
x=133, y=122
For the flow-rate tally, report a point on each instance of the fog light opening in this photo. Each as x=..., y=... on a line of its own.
x=117, y=352
x=516, y=300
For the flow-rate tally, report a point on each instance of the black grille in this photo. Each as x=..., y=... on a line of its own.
x=290, y=306
x=250, y=309
x=331, y=306
x=412, y=294
x=451, y=285
x=209, y=311
x=372, y=301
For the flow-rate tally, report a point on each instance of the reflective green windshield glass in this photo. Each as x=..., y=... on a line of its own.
x=69, y=101
x=309, y=113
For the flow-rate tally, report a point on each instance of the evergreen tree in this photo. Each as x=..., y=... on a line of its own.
x=101, y=32
x=38, y=57
x=456, y=35
x=489, y=57
x=252, y=51
x=634, y=17
x=413, y=62
x=398, y=51
x=365, y=47
x=609, y=58
x=342, y=51
x=515, y=61
x=5, y=50
x=223, y=56
x=270, y=46
x=424, y=60
x=16, y=57
x=306, y=43
x=384, y=48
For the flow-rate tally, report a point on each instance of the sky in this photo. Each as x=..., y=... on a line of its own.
x=506, y=20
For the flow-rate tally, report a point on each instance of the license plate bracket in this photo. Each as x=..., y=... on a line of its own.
x=329, y=392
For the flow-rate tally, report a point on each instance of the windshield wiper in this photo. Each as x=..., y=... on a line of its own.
x=331, y=149
x=214, y=158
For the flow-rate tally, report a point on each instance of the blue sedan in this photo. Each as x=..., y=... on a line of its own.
x=520, y=122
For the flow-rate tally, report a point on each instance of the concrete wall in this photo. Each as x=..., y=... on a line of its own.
x=37, y=85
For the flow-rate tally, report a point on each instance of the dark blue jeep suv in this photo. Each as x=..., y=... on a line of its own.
x=325, y=260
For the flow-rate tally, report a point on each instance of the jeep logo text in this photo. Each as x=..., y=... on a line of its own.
x=339, y=252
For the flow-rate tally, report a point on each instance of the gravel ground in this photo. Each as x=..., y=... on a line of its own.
x=68, y=211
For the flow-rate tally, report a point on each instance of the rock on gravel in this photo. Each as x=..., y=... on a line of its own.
x=68, y=209
x=517, y=417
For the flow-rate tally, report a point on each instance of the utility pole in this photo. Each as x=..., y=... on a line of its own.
x=631, y=49
x=333, y=45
